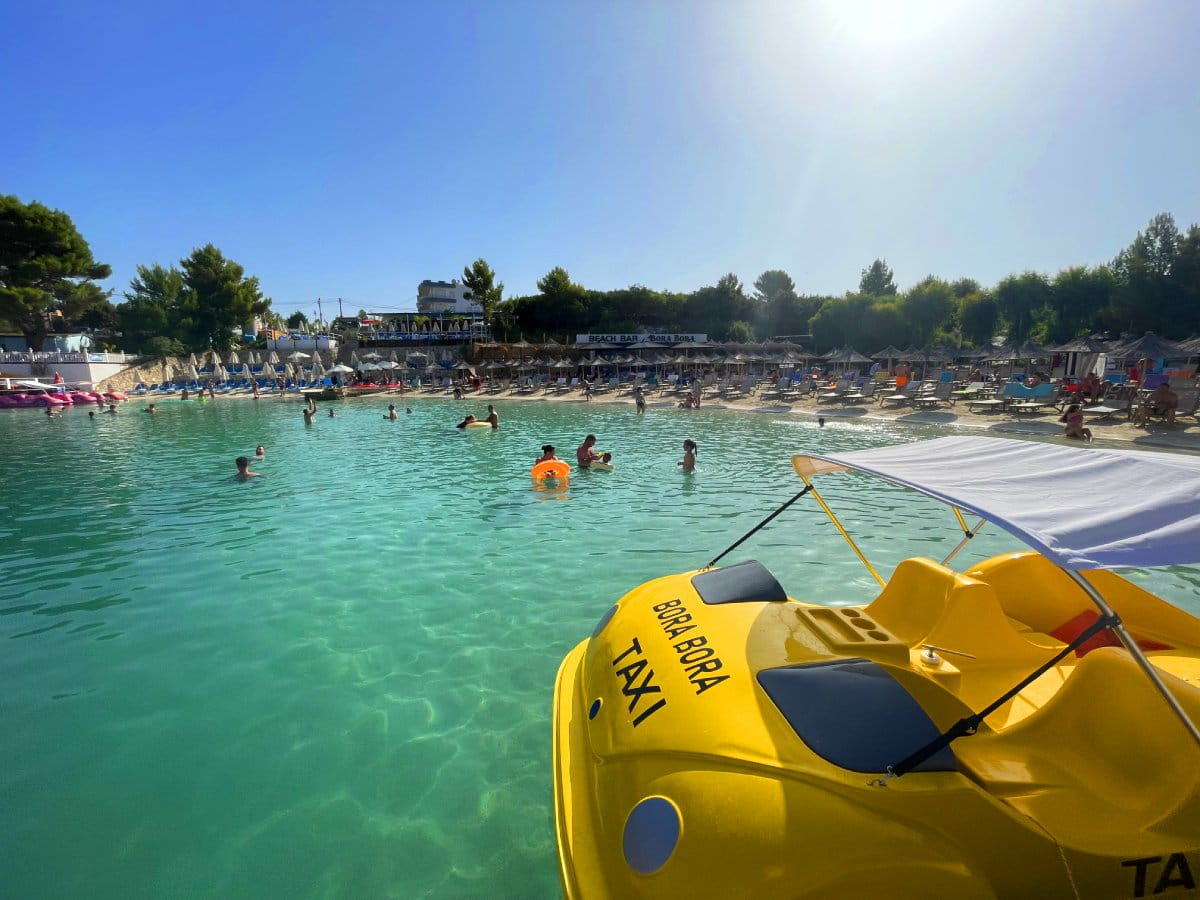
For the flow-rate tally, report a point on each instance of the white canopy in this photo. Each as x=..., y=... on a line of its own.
x=1083, y=508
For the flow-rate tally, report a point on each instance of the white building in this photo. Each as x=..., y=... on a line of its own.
x=445, y=297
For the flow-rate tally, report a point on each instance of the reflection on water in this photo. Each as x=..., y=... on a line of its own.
x=335, y=680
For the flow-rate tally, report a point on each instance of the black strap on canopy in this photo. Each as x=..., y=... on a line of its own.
x=970, y=725
x=764, y=522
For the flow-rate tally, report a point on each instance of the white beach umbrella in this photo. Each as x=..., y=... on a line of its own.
x=317, y=368
x=387, y=365
x=232, y=359
x=340, y=369
x=273, y=358
x=296, y=356
x=372, y=356
x=354, y=360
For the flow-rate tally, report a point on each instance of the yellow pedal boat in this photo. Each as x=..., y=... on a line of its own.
x=1024, y=728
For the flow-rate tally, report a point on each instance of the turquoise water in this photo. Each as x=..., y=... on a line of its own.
x=335, y=681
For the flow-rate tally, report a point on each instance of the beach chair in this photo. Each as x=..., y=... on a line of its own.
x=974, y=389
x=942, y=393
x=1000, y=401
x=902, y=396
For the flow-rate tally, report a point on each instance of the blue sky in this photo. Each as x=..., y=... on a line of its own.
x=352, y=149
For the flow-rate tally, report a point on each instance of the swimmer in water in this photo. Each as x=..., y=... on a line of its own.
x=408, y=409
x=331, y=412
x=820, y=421
x=689, y=456
x=465, y=422
x=391, y=413
x=150, y=409
x=310, y=411
x=243, y=469
x=547, y=455
x=260, y=452
x=492, y=417
x=112, y=408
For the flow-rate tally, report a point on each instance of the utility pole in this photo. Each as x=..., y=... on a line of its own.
x=320, y=314
x=341, y=314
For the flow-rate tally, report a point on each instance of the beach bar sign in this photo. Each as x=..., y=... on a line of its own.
x=641, y=338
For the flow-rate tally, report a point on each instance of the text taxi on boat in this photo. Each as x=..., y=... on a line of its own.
x=1024, y=728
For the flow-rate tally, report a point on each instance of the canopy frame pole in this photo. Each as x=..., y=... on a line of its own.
x=845, y=534
x=968, y=533
x=1139, y=657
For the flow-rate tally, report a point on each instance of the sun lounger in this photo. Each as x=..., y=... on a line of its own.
x=901, y=397
x=942, y=393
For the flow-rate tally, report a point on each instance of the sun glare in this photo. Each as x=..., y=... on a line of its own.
x=885, y=23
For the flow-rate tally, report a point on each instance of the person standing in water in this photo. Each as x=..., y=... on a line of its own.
x=493, y=418
x=391, y=413
x=639, y=398
x=689, y=456
x=586, y=453
x=243, y=469
x=309, y=411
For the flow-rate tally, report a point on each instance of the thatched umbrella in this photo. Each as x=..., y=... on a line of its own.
x=1149, y=346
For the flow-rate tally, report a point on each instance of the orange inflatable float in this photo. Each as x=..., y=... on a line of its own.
x=551, y=468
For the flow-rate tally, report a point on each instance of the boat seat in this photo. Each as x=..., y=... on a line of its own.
x=927, y=603
x=1104, y=762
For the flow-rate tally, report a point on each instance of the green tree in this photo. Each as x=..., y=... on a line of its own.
x=1018, y=297
x=1152, y=275
x=1079, y=296
x=978, y=316
x=965, y=287
x=296, y=320
x=877, y=280
x=773, y=284
x=152, y=307
x=741, y=332
x=44, y=266
x=482, y=287
x=713, y=309
x=219, y=298
x=928, y=306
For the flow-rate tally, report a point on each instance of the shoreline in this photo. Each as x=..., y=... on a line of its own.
x=1117, y=429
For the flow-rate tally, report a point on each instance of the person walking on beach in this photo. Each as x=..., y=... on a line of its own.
x=689, y=456
x=391, y=413
x=493, y=417
x=243, y=469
